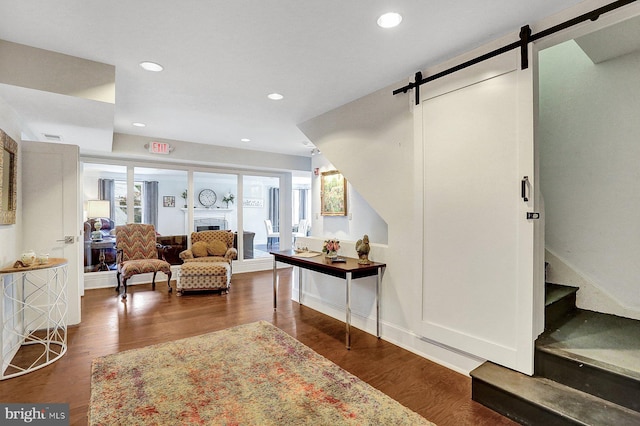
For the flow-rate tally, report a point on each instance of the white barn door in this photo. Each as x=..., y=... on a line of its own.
x=479, y=267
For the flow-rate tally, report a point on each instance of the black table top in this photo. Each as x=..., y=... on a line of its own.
x=321, y=264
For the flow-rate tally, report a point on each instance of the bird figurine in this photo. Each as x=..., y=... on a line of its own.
x=362, y=247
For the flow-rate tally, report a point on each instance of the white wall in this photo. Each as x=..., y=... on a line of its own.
x=589, y=155
x=171, y=220
x=256, y=188
x=361, y=219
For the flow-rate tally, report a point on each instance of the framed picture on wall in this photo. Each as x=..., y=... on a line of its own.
x=8, y=179
x=333, y=194
x=168, y=201
x=253, y=202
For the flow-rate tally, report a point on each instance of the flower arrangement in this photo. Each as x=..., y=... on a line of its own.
x=331, y=246
x=228, y=198
x=184, y=195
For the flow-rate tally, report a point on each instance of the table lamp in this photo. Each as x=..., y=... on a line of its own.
x=95, y=210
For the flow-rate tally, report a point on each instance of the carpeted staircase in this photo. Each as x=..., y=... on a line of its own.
x=587, y=370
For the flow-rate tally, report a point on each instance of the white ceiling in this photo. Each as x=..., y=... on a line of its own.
x=222, y=58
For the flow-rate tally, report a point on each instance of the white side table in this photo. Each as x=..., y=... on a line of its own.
x=34, y=331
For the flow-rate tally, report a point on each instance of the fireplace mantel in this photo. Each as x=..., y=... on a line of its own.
x=202, y=212
x=204, y=217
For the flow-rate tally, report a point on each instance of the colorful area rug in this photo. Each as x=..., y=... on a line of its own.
x=253, y=374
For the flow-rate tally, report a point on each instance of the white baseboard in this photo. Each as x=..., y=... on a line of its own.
x=451, y=358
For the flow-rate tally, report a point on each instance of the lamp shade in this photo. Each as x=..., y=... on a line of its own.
x=98, y=208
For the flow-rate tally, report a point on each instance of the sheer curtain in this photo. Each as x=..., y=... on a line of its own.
x=106, y=191
x=150, y=203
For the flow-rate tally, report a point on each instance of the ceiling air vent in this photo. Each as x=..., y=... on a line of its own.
x=53, y=138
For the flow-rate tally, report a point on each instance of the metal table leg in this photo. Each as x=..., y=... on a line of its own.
x=378, y=286
x=102, y=264
x=275, y=285
x=299, y=285
x=348, y=320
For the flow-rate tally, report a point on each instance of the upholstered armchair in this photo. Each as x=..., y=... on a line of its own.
x=137, y=254
x=210, y=246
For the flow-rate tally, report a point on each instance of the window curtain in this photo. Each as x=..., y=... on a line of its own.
x=150, y=203
x=274, y=208
x=106, y=191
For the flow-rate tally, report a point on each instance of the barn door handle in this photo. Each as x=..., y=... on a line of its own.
x=523, y=188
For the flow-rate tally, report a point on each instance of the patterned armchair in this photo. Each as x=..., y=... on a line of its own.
x=137, y=254
x=210, y=246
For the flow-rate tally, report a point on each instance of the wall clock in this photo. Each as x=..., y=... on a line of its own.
x=207, y=197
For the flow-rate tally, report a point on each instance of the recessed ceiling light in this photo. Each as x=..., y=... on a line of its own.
x=139, y=124
x=151, y=66
x=275, y=96
x=245, y=140
x=389, y=20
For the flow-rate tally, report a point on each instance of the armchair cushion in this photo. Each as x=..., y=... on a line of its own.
x=200, y=249
x=186, y=255
x=217, y=248
x=131, y=268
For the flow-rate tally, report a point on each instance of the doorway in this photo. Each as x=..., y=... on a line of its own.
x=587, y=133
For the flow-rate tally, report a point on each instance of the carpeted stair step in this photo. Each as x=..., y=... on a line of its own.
x=560, y=303
x=595, y=353
x=540, y=401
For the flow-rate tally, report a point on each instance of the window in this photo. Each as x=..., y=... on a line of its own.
x=220, y=200
x=211, y=212
x=261, y=203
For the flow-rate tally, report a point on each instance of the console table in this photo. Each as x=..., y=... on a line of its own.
x=348, y=271
x=102, y=245
x=37, y=296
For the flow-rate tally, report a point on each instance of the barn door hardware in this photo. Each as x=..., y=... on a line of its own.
x=524, y=187
x=525, y=37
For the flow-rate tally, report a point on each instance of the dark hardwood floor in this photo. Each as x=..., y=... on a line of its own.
x=148, y=317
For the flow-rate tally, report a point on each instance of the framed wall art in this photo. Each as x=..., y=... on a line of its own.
x=168, y=201
x=8, y=179
x=253, y=202
x=333, y=194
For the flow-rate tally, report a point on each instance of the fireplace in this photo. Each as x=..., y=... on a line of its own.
x=207, y=228
x=207, y=219
x=210, y=223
